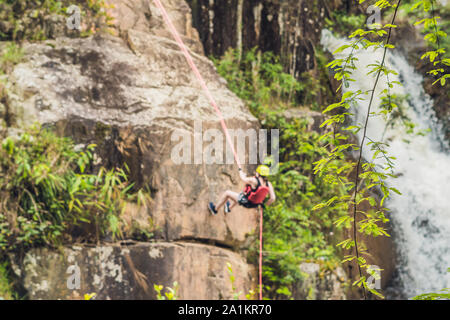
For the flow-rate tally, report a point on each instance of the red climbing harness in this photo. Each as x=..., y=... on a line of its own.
x=256, y=196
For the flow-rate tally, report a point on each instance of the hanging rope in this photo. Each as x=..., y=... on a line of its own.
x=191, y=63
x=260, y=249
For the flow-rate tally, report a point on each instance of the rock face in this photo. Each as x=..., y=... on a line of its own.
x=134, y=95
x=144, y=16
x=129, y=272
x=130, y=97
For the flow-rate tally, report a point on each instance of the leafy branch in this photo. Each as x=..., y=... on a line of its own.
x=366, y=177
x=364, y=138
x=434, y=38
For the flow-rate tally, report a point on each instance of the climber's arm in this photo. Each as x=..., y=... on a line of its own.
x=247, y=180
x=272, y=196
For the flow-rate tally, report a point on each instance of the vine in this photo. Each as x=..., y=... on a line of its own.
x=380, y=69
x=370, y=222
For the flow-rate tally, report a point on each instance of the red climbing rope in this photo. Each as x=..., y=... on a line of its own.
x=260, y=250
x=191, y=63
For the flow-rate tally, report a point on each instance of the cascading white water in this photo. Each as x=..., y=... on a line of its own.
x=421, y=216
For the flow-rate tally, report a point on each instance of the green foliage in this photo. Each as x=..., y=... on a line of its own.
x=170, y=294
x=434, y=35
x=366, y=175
x=427, y=14
x=234, y=291
x=11, y=55
x=6, y=288
x=293, y=232
x=414, y=12
x=259, y=79
x=48, y=197
x=444, y=294
x=90, y=296
x=39, y=19
x=236, y=295
x=342, y=22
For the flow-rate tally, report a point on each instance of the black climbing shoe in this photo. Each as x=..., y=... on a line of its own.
x=212, y=208
x=227, y=207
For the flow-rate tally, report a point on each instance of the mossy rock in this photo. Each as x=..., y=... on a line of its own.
x=38, y=20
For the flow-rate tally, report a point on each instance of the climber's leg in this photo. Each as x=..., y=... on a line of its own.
x=229, y=205
x=233, y=204
x=228, y=195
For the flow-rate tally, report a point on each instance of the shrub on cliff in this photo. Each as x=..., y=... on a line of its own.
x=47, y=196
x=46, y=19
x=6, y=285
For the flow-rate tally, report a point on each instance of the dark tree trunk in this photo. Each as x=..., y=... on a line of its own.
x=289, y=28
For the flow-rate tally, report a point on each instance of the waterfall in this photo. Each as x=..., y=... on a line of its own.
x=421, y=215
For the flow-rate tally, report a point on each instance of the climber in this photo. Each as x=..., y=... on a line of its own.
x=255, y=192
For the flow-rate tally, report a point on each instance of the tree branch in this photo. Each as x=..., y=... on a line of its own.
x=362, y=143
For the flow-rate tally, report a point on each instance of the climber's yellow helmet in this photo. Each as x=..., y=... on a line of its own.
x=268, y=161
x=263, y=170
